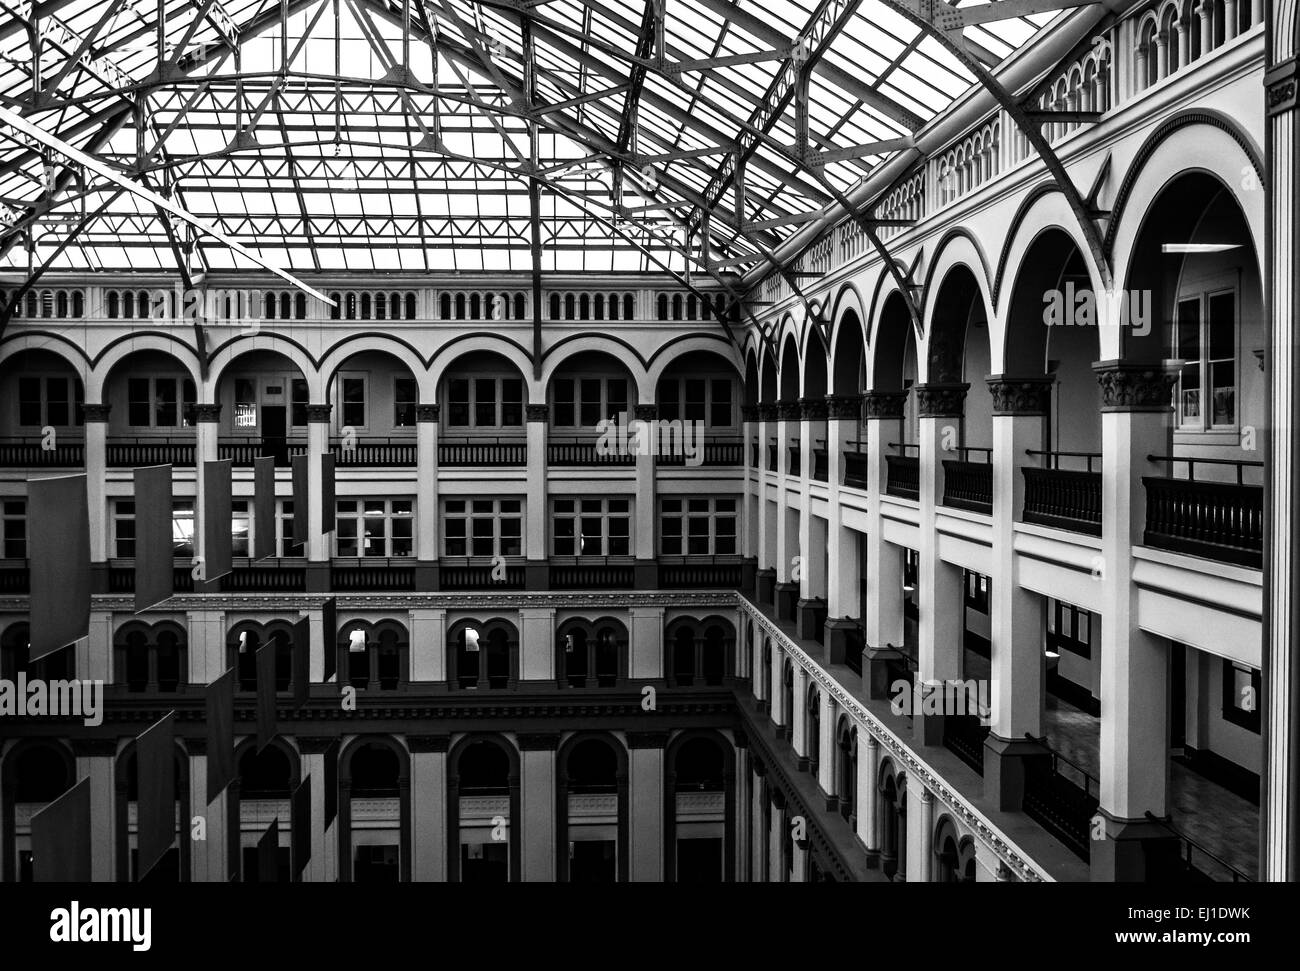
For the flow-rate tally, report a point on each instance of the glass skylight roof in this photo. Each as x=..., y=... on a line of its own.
x=331, y=144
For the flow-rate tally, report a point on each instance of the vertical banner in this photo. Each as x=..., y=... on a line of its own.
x=331, y=783
x=220, y=698
x=301, y=486
x=216, y=519
x=300, y=826
x=264, y=507
x=266, y=730
x=268, y=853
x=155, y=772
x=327, y=493
x=154, y=541
x=330, y=625
x=301, y=662
x=58, y=550
x=61, y=838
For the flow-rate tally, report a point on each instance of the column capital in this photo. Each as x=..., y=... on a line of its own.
x=94, y=413
x=427, y=412
x=841, y=406
x=645, y=412
x=1280, y=85
x=207, y=413
x=1134, y=387
x=766, y=410
x=537, y=412
x=883, y=405
x=941, y=400
x=788, y=410
x=317, y=414
x=812, y=409
x=749, y=413
x=428, y=743
x=1019, y=396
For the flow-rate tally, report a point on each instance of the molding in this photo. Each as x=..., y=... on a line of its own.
x=318, y=413
x=427, y=412
x=812, y=409
x=537, y=412
x=883, y=405
x=766, y=410
x=657, y=740
x=94, y=413
x=749, y=413
x=1280, y=85
x=1134, y=387
x=841, y=407
x=940, y=400
x=538, y=741
x=645, y=412
x=788, y=411
x=419, y=744
x=1020, y=396
x=205, y=413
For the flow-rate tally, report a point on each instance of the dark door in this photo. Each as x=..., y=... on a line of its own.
x=274, y=429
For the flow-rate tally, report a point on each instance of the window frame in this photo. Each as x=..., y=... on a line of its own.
x=389, y=516
x=470, y=515
x=712, y=515
x=578, y=515
x=1202, y=295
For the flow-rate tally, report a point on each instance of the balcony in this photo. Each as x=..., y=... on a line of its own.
x=967, y=484
x=771, y=454
x=700, y=573
x=270, y=576
x=796, y=460
x=1221, y=521
x=584, y=453
x=1066, y=499
x=469, y=575
x=137, y=452
x=855, y=466
x=716, y=453
x=591, y=573
x=821, y=463
x=31, y=453
x=121, y=577
x=1062, y=797
x=468, y=453
x=15, y=578
x=372, y=574
x=369, y=453
x=243, y=451
x=904, y=473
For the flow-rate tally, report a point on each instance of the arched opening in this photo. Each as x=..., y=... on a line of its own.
x=699, y=812
x=700, y=653
x=483, y=395
x=593, y=847
x=846, y=777
x=40, y=389
x=587, y=388
x=848, y=382
x=150, y=658
x=699, y=396
x=264, y=397
x=813, y=728
x=893, y=387
x=259, y=796
x=591, y=654
x=34, y=774
x=483, y=810
x=174, y=866
x=374, y=656
x=891, y=792
x=787, y=713
x=374, y=396
x=482, y=656
x=15, y=649
x=374, y=812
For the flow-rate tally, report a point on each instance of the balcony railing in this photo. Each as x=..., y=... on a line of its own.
x=584, y=453
x=821, y=463
x=855, y=465
x=796, y=460
x=131, y=453
x=379, y=574
x=121, y=577
x=1199, y=863
x=243, y=451
x=482, y=452
x=15, y=578
x=772, y=449
x=465, y=575
x=591, y=573
x=31, y=453
x=1067, y=499
x=715, y=453
x=369, y=453
x=275, y=575
x=904, y=473
x=700, y=572
x=1221, y=521
x=1062, y=797
x=967, y=484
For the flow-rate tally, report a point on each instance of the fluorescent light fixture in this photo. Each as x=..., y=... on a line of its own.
x=357, y=641
x=471, y=639
x=1198, y=247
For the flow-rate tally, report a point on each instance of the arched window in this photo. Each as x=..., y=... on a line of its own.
x=265, y=781
x=700, y=780
x=483, y=656
x=34, y=774
x=150, y=658
x=376, y=771
x=374, y=656
x=662, y=307
x=813, y=729
x=483, y=811
x=846, y=746
x=589, y=770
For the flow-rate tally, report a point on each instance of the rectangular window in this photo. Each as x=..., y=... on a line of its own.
x=1221, y=360
x=123, y=528
x=458, y=403
x=482, y=527
x=241, y=531
x=977, y=592
x=298, y=402
x=512, y=402
x=1241, y=687
x=374, y=527
x=246, y=404
x=485, y=402
x=1205, y=340
x=591, y=527
x=720, y=410
x=1069, y=628
x=670, y=408
x=13, y=529
x=353, y=410
x=697, y=526
x=1188, y=349
x=584, y=402
x=284, y=544
x=564, y=403
x=30, y=411
x=404, y=395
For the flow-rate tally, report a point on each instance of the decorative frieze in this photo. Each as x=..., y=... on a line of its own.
x=538, y=741
x=883, y=405
x=766, y=411
x=1020, y=396
x=1134, y=387
x=940, y=400
x=749, y=413
x=428, y=743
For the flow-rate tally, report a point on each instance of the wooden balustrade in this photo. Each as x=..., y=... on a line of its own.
x=31, y=453
x=482, y=452
x=1221, y=521
x=968, y=485
x=904, y=476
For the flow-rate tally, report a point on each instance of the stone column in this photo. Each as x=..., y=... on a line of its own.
x=842, y=602
x=537, y=806
x=319, y=545
x=1280, y=816
x=758, y=845
x=428, y=644
x=646, y=568
x=646, y=802
x=429, y=806
x=95, y=760
x=323, y=866
x=750, y=506
x=207, y=426
x=798, y=719
x=1207, y=28
x=811, y=606
x=787, y=540
x=536, y=573
x=1133, y=753
x=941, y=621
x=766, y=578
x=1229, y=19
x=427, y=511
x=1015, y=615
x=924, y=839
x=883, y=411
x=96, y=457
x=826, y=751
x=1162, y=53
x=868, y=767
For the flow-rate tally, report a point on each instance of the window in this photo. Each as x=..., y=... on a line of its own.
x=404, y=399
x=298, y=401
x=374, y=527
x=697, y=527
x=977, y=591
x=496, y=402
x=584, y=402
x=353, y=407
x=1205, y=337
x=53, y=401
x=13, y=529
x=697, y=399
x=159, y=402
x=246, y=403
x=483, y=527
x=591, y=527
x=123, y=524
x=284, y=544
x=1241, y=687
x=1069, y=628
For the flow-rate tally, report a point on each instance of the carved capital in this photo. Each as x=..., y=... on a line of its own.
x=940, y=400
x=427, y=412
x=95, y=412
x=1134, y=387
x=843, y=406
x=749, y=413
x=537, y=412
x=812, y=409
x=209, y=414
x=1280, y=86
x=788, y=410
x=766, y=411
x=883, y=405
x=317, y=414
x=1020, y=396
x=645, y=412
